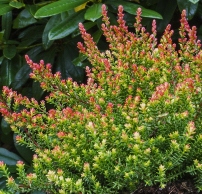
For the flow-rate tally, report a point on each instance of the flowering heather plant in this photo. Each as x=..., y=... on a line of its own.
x=136, y=122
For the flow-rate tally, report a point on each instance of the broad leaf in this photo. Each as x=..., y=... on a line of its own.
x=50, y=24
x=87, y=26
x=189, y=7
x=67, y=26
x=32, y=36
x=12, y=42
x=7, y=24
x=1, y=59
x=9, y=69
x=9, y=158
x=2, y=35
x=27, y=91
x=80, y=7
x=9, y=52
x=4, y=1
x=78, y=61
x=23, y=19
x=96, y=36
x=24, y=151
x=37, y=90
x=25, y=33
x=4, y=8
x=132, y=8
x=194, y=1
x=32, y=9
x=166, y=9
x=113, y=19
x=23, y=74
x=58, y=7
x=64, y=14
x=17, y=5
x=3, y=182
x=94, y=12
x=7, y=74
x=65, y=65
x=5, y=127
x=6, y=138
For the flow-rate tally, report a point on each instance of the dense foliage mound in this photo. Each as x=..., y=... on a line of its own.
x=136, y=121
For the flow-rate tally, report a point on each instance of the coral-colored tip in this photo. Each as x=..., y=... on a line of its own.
x=120, y=8
x=103, y=7
x=27, y=57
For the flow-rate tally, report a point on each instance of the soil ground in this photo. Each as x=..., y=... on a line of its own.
x=181, y=186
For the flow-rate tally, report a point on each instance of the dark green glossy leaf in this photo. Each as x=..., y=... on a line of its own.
x=3, y=182
x=9, y=158
x=65, y=65
x=25, y=33
x=6, y=138
x=166, y=9
x=27, y=91
x=21, y=77
x=79, y=60
x=37, y=90
x=112, y=18
x=189, y=7
x=1, y=174
x=94, y=12
x=7, y=24
x=12, y=42
x=1, y=59
x=2, y=35
x=17, y=5
x=4, y=8
x=96, y=36
x=64, y=15
x=87, y=26
x=5, y=127
x=112, y=9
x=23, y=19
x=12, y=168
x=4, y=1
x=194, y=1
x=67, y=26
x=8, y=71
x=10, y=51
x=23, y=74
x=6, y=74
x=58, y=7
x=132, y=8
x=50, y=24
x=32, y=36
x=130, y=20
x=32, y=9
x=24, y=151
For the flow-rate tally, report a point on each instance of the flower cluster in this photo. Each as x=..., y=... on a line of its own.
x=137, y=120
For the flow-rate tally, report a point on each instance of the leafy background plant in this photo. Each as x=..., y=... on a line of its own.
x=31, y=27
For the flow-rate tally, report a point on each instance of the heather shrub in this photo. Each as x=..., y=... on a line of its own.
x=136, y=122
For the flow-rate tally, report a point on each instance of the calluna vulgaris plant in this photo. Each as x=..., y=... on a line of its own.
x=137, y=121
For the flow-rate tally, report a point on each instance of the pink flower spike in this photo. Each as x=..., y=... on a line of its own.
x=1, y=163
x=120, y=9
x=103, y=7
x=18, y=137
x=20, y=162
